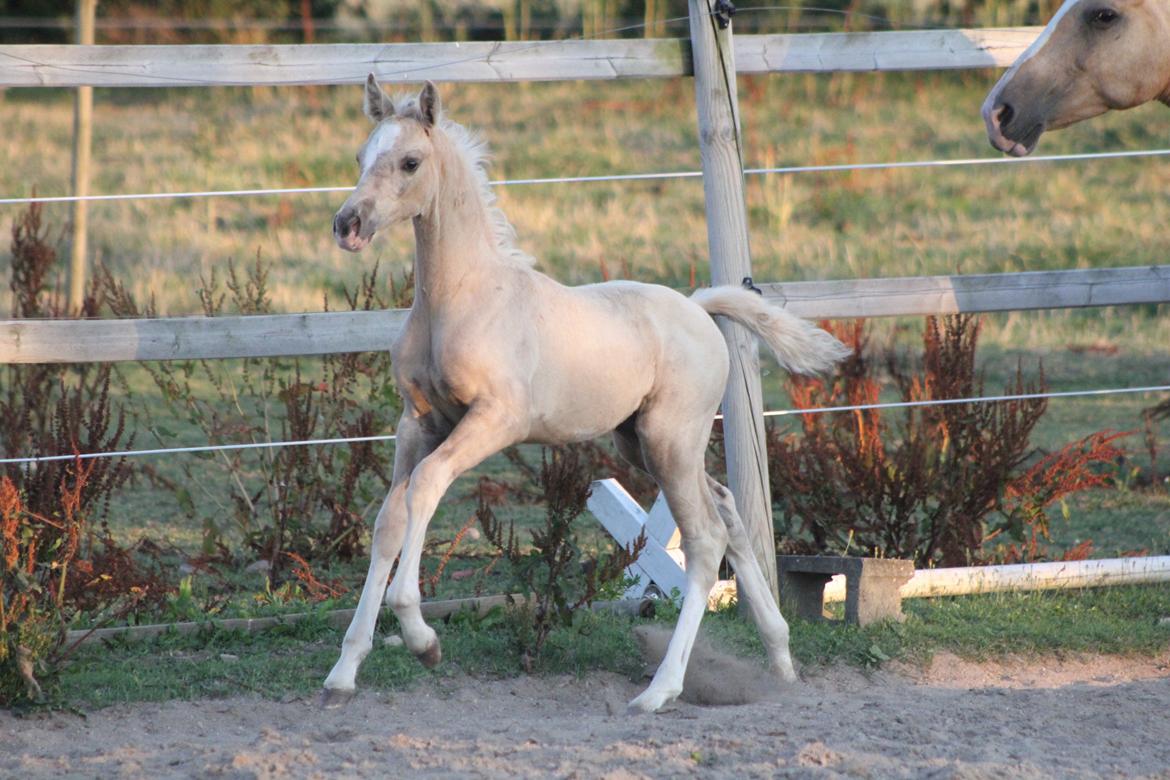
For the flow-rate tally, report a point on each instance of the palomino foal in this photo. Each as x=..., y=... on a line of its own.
x=1094, y=55
x=494, y=353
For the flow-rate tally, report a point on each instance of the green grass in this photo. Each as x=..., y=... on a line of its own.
x=291, y=661
x=1120, y=620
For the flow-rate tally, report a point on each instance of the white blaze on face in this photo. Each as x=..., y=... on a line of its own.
x=381, y=140
x=1045, y=34
x=990, y=105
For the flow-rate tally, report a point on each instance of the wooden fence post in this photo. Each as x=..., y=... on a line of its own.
x=727, y=242
x=82, y=142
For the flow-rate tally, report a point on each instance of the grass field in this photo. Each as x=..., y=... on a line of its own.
x=804, y=226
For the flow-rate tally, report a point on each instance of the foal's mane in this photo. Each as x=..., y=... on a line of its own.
x=475, y=155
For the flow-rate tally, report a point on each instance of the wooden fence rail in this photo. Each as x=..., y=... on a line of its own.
x=249, y=65
x=283, y=335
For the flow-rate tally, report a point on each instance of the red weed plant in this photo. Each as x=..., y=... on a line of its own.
x=46, y=580
x=314, y=588
x=59, y=558
x=555, y=573
x=307, y=502
x=931, y=483
x=429, y=583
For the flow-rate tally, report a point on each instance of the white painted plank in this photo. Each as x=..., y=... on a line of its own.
x=184, y=338
x=660, y=525
x=965, y=580
x=616, y=510
x=625, y=520
x=227, y=65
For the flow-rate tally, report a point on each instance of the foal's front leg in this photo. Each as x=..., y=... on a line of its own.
x=412, y=445
x=487, y=428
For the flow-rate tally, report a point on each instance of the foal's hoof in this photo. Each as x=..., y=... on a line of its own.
x=649, y=701
x=432, y=655
x=335, y=698
x=785, y=672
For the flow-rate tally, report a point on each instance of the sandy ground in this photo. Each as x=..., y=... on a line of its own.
x=1034, y=718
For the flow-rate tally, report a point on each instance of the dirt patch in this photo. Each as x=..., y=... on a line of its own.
x=1042, y=718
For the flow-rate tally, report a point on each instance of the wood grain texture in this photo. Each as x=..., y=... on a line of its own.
x=282, y=335
x=922, y=295
x=728, y=248
x=227, y=65
x=189, y=338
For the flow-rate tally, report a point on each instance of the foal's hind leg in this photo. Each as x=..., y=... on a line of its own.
x=412, y=444
x=766, y=615
x=674, y=459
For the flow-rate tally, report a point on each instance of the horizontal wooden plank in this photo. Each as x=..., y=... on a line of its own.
x=882, y=51
x=185, y=338
x=247, y=65
x=228, y=65
x=921, y=295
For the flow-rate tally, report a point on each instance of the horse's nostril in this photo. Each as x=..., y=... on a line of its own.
x=1006, y=112
x=346, y=225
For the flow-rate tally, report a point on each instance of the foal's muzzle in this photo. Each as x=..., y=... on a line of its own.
x=347, y=231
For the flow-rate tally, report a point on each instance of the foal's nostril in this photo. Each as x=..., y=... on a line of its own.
x=1006, y=112
x=346, y=225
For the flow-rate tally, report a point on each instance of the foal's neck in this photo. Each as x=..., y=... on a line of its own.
x=454, y=241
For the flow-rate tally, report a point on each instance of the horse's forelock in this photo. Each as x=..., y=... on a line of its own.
x=406, y=107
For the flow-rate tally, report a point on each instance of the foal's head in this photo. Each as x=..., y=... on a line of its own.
x=397, y=166
x=1095, y=55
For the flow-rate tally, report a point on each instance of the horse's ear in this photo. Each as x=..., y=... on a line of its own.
x=428, y=104
x=375, y=104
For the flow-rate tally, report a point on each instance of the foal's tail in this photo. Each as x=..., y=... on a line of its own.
x=800, y=346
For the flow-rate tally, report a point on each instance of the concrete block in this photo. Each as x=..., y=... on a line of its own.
x=872, y=586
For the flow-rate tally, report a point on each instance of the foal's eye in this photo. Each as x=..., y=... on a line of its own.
x=1102, y=17
x=410, y=164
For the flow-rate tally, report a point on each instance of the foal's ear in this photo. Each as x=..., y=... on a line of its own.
x=428, y=104
x=375, y=104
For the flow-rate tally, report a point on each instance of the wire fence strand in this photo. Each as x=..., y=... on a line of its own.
x=620, y=177
x=774, y=413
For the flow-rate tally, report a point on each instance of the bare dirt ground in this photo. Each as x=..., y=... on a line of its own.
x=1028, y=718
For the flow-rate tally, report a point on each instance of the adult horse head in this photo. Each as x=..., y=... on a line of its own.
x=1094, y=56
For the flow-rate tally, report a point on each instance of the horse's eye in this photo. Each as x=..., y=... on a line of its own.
x=410, y=164
x=1102, y=17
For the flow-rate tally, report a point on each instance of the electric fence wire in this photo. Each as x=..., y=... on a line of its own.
x=772, y=413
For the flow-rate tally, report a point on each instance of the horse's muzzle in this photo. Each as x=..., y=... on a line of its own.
x=1001, y=120
x=347, y=231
